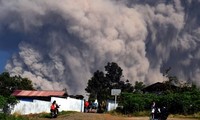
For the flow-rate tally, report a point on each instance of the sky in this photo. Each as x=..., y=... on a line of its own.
x=60, y=44
x=3, y=60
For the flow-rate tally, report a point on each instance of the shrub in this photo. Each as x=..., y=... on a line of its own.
x=11, y=117
x=176, y=103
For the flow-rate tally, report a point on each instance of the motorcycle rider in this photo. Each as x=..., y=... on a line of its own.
x=54, y=109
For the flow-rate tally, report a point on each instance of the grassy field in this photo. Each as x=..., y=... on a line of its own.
x=69, y=115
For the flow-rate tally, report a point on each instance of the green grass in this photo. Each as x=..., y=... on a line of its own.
x=147, y=113
x=12, y=117
x=63, y=113
x=141, y=113
x=32, y=116
x=136, y=114
x=195, y=116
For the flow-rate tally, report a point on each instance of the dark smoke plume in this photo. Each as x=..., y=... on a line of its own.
x=61, y=43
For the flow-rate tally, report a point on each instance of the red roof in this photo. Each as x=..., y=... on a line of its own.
x=34, y=93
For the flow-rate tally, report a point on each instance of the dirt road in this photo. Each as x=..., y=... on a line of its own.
x=94, y=116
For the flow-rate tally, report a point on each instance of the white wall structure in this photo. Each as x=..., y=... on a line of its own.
x=38, y=106
x=26, y=107
x=111, y=105
x=1, y=110
x=69, y=104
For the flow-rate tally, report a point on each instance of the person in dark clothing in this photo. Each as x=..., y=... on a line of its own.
x=157, y=113
x=164, y=113
x=153, y=107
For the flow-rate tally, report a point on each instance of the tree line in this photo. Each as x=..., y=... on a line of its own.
x=182, y=100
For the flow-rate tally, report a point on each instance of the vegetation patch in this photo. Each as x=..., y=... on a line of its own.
x=63, y=113
x=195, y=116
x=12, y=117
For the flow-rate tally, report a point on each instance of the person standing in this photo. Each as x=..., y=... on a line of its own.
x=153, y=108
x=86, y=105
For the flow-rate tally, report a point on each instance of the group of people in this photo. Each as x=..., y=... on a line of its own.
x=158, y=112
x=90, y=106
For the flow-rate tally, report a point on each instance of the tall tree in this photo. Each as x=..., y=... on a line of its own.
x=2, y=101
x=8, y=84
x=139, y=86
x=100, y=85
x=114, y=72
x=126, y=86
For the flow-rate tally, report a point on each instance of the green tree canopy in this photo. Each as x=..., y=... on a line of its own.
x=2, y=101
x=8, y=84
x=139, y=86
x=100, y=85
x=114, y=72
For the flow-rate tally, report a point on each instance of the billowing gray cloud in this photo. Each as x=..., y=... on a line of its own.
x=61, y=43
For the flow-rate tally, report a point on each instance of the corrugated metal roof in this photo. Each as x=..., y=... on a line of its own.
x=35, y=93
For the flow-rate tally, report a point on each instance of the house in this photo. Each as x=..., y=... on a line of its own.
x=159, y=88
x=33, y=102
x=30, y=95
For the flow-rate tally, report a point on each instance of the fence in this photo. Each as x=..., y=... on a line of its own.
x=38, y=106
x=69, y=104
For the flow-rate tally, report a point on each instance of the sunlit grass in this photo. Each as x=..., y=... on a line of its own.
x=147, y=113
x=63, y=113
x=136, y=114
x=12, y=117
x=17, y=116
x=196, y=116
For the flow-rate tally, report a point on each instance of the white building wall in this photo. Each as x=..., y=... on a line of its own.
x=38, y=106
x=69, y=104
x=111, y=105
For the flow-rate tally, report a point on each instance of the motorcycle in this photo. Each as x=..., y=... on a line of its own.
x=54, y=113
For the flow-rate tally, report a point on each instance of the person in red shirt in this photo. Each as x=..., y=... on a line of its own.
x=86, y=106
x=53, y=109
x=53, y=106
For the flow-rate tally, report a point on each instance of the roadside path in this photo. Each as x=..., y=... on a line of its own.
x=95, y=116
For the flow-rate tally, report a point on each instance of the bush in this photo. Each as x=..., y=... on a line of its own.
x=11, y=117
x=136, y=102
x=2, y=101
x=177, y=103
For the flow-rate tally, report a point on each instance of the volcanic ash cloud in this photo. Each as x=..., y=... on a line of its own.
x=61, y=43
